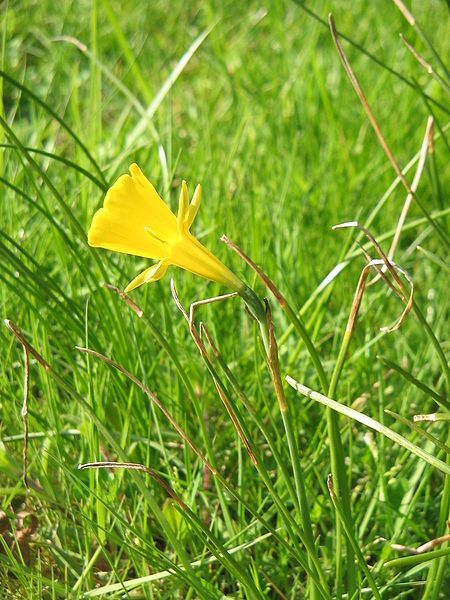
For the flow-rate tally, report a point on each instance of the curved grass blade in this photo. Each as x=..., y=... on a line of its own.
x=409, y=377
x=68, y=241
x=55, y=115
x=64, y=206
x=66, y=161
x=369, y=55
x=369, y=422
x=417, y=559
x=433, y=258
x=419, y=430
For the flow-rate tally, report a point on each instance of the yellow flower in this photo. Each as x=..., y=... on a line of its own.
x=135, y=220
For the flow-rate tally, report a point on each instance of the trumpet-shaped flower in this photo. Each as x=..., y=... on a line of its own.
x=135, y=220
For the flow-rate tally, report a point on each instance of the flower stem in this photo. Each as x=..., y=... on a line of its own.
x=256, y=310
x=299, y=326
x=338, y=467
x=264, y=320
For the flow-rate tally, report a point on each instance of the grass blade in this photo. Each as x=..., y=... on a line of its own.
x=351, y=413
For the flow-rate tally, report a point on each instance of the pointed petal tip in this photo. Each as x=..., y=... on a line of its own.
x=135, y=283
x=197, y=192
x=153, y=273
x=183, y=206
x=194, y=205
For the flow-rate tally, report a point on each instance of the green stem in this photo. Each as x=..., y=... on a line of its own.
x=302, y=500
x=322, y=587
x=435, y=342
x=338, y=468
x=437, y=570
x=406, y=562
x=348, y=530
x=302, y=331
x=257, y=310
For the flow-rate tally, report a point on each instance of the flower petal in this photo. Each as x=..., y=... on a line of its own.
x=150, y=275
x=191, y=255
x=132, y=204
x=194, y=206
x=183, y=208
x=135, y=220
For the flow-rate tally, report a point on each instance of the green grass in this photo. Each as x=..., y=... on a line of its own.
x=249, y=99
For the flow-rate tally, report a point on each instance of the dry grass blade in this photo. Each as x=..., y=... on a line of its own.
x=360, y=288
x=380, y=273
x=392, y=268
x=293, y=316
x=27, y=350
x=154, y=398
x=264, y=278
x=408, y=304
x=405, y=12
x=437, y=346
x=134, y=307
x=432, y=417
x=420, y=430
x=398, y=323
x=365, y=104
x=426, y=144
x=357, y=299
x=19, y=335
x=273, y=362
x=205, y=355
x=427, y=547
x=198, y=303
x=235, y=422
x=203, y=330
x=135, y=467
x=420, y=59
x=330, y=486
x=348, y=69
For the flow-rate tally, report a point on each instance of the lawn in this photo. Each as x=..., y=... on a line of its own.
x=211, y=474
